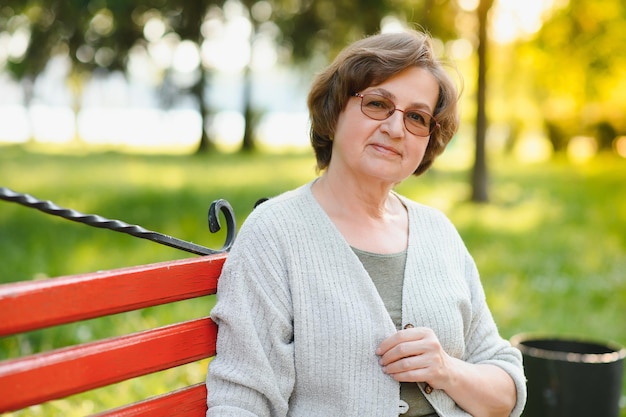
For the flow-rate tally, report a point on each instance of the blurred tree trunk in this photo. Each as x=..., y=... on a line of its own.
x=480, y=175
x=197, y=90
x=248, y=143
x=28, y=88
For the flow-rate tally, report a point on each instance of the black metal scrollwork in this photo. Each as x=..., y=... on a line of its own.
x=134, y=230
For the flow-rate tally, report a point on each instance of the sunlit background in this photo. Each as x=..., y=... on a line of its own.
x=550, y=244
x=147, y=109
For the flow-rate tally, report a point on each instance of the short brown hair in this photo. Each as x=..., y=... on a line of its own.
x=369, y=62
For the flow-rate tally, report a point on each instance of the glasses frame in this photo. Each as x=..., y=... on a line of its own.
x=434, y=124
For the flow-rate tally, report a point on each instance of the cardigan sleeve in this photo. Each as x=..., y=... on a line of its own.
x=484, y=344
x=253, y=371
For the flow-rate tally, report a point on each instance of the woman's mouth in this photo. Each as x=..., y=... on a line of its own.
x=388, y=150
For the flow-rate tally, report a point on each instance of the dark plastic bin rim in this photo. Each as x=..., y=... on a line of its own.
x=569, y=349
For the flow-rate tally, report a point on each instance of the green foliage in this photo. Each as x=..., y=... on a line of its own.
x=576, y=63
x=550, y=246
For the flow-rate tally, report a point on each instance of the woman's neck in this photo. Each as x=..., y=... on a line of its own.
x=349, y=197
x=367, y=218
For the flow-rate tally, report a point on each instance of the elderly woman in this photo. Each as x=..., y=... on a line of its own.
x=344, y=298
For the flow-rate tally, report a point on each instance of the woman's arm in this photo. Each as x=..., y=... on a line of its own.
x=482, y=389
x=481, y=372
x=253, y=371
x=415, y=355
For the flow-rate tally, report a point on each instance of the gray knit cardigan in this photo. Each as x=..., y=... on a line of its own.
x=299, y=318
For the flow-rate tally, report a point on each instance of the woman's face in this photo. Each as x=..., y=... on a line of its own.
x=384, y=149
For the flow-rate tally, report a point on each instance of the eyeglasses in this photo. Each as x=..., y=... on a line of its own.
x=378, y=107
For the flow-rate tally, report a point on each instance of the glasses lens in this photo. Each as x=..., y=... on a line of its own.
x=418, y=122
x=377, y=107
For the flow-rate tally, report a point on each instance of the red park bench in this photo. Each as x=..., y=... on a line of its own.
x=40, y=304
x=41, y=377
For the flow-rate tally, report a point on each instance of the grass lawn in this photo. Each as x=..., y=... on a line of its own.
x=551, y=245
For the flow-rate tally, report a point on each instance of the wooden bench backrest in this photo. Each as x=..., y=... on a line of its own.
x=32, y=305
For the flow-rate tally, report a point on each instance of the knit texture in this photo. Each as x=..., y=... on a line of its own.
x=299, y=318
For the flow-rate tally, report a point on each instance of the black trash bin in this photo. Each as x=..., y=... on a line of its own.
x=571, y=378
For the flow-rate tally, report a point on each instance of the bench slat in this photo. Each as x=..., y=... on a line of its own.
x=185, y=402
x=42, y=377
x=31, y=305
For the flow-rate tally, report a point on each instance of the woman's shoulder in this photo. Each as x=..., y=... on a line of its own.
x=281, y=210
x=282, y=203
x=289, y=196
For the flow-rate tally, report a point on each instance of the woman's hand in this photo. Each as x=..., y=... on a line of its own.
x=416, y=355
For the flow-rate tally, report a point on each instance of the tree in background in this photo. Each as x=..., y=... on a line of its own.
x=103, y=35
x=567, y=78
x=479, y=172
x=579, y=72
x=42, y=30
x=97, y=36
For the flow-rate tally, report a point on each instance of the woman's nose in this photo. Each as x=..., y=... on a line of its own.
x=394, y=125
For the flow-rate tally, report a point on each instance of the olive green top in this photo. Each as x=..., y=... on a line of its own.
x=387, y=273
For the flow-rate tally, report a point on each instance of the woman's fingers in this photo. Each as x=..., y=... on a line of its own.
x=412, y=355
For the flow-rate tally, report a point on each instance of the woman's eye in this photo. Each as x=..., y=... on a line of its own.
x=379, y=104
x=417, y=117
